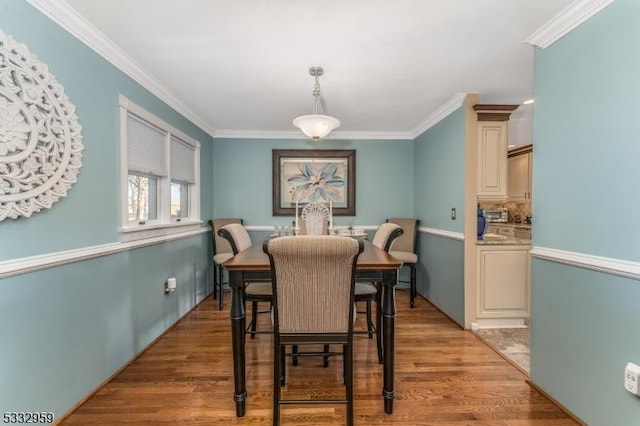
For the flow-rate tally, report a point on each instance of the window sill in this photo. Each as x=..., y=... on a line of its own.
x=153, y=231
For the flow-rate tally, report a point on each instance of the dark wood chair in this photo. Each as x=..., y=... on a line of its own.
x=405, y=249
x=371, y=290
x=256, y=290
x=221, y=253
x=313, y=280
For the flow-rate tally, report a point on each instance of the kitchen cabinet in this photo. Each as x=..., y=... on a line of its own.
x=504, y=282
x=492, y=151
x=519, y=167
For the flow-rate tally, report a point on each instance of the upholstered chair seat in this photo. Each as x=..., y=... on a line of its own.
x=258, y=289
x=405, y=249
x=404, y=256
x=222, y=257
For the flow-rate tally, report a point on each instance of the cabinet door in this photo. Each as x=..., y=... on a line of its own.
x=519, y=181
x=504, y=280
x=492, y=160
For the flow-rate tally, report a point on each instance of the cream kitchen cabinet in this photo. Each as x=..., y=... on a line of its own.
x=519, y=175
x=504, y=281
x=492, y=151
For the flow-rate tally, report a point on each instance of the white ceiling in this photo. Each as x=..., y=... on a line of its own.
x=242, y=66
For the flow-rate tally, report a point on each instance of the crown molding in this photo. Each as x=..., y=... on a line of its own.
x=438, y=115
x=373, y=135
x=72, y=22
x=564, y=22
x=296, y=134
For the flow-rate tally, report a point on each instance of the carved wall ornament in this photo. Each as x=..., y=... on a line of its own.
x=40, y=136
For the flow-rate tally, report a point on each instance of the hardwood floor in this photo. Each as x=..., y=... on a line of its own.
x=444, y=376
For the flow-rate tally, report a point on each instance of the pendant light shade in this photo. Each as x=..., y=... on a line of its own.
x=316, y=125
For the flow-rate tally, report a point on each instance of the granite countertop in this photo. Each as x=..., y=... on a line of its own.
x=515, y=225
x=507, y=241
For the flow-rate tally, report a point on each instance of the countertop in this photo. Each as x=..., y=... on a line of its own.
x=503, y=242
x=515, y=225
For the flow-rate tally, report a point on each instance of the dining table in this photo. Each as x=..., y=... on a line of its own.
x=253, y=262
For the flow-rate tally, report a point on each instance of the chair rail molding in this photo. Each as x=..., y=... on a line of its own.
x=564, y=22
x=10, y=268
x=442, y=233
x=607, y=265
x=40, y=135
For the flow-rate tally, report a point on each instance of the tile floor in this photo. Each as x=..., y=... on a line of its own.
x=511, y=342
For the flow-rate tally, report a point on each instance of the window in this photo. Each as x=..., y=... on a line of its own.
x=160, y=172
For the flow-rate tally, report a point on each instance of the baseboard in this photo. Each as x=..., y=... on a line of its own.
x=556, y=403
x=498, y=323
x=131, y=361
x=441, y=311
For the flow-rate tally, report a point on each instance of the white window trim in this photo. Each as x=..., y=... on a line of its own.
x=164, y=225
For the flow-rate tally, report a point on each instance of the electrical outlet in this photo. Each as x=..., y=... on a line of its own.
x=453, y=213
x=631, y=378
x=170, y=285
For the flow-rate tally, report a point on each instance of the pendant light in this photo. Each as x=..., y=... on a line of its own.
x=316, y=125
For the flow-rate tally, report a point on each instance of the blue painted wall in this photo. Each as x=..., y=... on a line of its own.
x=65, y=330
x=585, y=323
x=438, y=186
x=242, y=179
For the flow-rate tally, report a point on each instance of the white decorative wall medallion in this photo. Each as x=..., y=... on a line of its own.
x=40, y=136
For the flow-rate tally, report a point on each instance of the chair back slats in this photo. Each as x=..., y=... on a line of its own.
x=314, y=278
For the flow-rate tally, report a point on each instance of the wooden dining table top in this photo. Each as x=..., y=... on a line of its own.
x=255, y=259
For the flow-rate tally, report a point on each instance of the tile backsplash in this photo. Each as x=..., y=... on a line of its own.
x=517, y=211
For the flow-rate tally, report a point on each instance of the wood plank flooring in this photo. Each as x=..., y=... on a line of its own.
x=445, y=376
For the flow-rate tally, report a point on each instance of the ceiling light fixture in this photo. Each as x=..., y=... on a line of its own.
x=528, y=102
x=316, y=125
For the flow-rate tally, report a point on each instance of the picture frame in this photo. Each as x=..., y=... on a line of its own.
x=314, y=174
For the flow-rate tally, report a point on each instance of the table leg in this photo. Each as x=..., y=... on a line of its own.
x=388, y=332
x=237, y=341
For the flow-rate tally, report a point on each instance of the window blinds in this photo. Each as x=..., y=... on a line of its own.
x=146, y=147
x=182, y=161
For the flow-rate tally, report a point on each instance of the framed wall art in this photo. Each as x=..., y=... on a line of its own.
x=304, y=176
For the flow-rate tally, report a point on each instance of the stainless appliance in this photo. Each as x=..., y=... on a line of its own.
x=499, y=215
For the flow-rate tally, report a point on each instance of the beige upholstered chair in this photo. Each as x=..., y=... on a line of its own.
x=371, y=291
x=313, y=281
x=221, y=253
x=255, y=291
x=405, y=250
